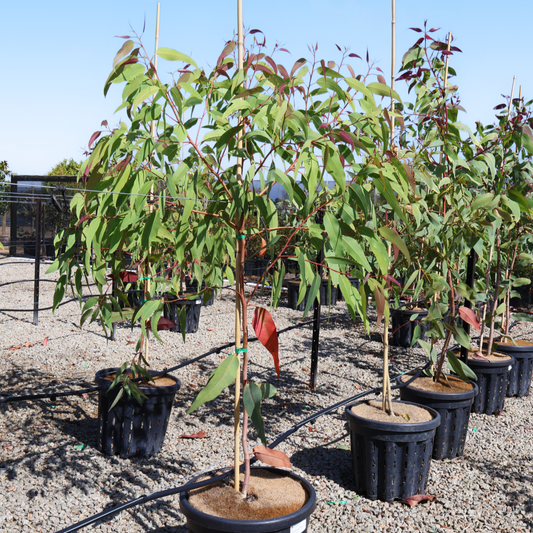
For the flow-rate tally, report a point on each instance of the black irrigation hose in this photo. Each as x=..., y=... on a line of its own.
x=53, y=395
x=27, y=281
x=192, y=486
x=40, y=308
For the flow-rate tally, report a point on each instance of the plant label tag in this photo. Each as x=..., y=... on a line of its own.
x=198, y=302
x=510, y=367
x=299, y=527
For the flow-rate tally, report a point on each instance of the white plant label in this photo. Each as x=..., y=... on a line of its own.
x=299, y=527
x=198, y=302
x=510, y=366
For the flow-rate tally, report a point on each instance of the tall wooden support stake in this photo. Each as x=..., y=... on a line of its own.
x=239, y=258
x=148, y=272
x=37, y=263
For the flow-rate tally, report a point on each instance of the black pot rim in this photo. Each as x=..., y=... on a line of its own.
x=148, y=391
x=432, y=395
x=265, y=525
x=475, y=363
x=422, y=312
x=512, y=349
x=394, y=427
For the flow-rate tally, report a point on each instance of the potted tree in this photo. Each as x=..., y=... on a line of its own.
x=256, y=131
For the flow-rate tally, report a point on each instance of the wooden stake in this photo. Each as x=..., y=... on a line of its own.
x=151, y=207
x=393, y=68
x=239, y=257
x=511, y=100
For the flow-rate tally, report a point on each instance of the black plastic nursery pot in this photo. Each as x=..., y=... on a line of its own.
x=391, y=460
x=492, y=380
x=454, y=409
x=296, y=522
x=293, y=288
x=131, y=429
x=403, y=328
x=522, y=371
x=172, y=307
x=192, y=286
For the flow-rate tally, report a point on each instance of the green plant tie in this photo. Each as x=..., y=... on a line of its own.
x=145, y=277
x=144, y=301
x=240, y=236
x=241, y=350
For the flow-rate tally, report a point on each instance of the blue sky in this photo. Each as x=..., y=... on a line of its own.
x=58, y=54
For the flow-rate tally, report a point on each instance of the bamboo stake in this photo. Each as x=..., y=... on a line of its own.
x=238, y=274
x=511, y=100
x=147, y=282
x=393, y=69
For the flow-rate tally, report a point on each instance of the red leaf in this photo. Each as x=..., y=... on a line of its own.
x=417, y=498
x=94, y=136
x=416, y=29
x=354, y=55
x=433, y=29
x=45, y=341
x=83, y=219
x=104, y=123
x=263, y=247
x=446, y=53
x=264, y=69
x=382, y=79
x=284, y=50
x=230, y=46
x=469, y=317
x=252, y=32
x=297, y=65
x=272, y=457
x=200, y=435
x=165, y=323
x=283, y=72
x=272, y=63
x=127, y=276
x=345, y=136
x=266, y=332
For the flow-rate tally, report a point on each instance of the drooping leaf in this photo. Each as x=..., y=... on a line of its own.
x=221, y=378
x=460, y=368
x=272, y=457
x=174, y=55
x=267, y=390
x=469, y=317
x=266, y=332
x=251, y=398
x=392, y=236
x=125, y=49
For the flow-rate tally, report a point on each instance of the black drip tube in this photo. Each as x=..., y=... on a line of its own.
x=221, y=477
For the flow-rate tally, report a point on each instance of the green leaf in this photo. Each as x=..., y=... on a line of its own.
x=383, y=90
x=355, y=250
x=522, y=317
x=221, y=378
x=173, y=55
x=267, y=390
x=461, y=337
x=394, y=238
x=251, y=398
x=117, y=398
x=460, y=368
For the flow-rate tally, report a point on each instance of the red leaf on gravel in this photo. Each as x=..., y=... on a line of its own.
x=417, y=498
x=200, y=435
x=28, y=344
x=210, y=329
x=272, y=457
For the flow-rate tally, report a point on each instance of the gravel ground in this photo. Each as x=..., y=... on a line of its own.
x=52, y=475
